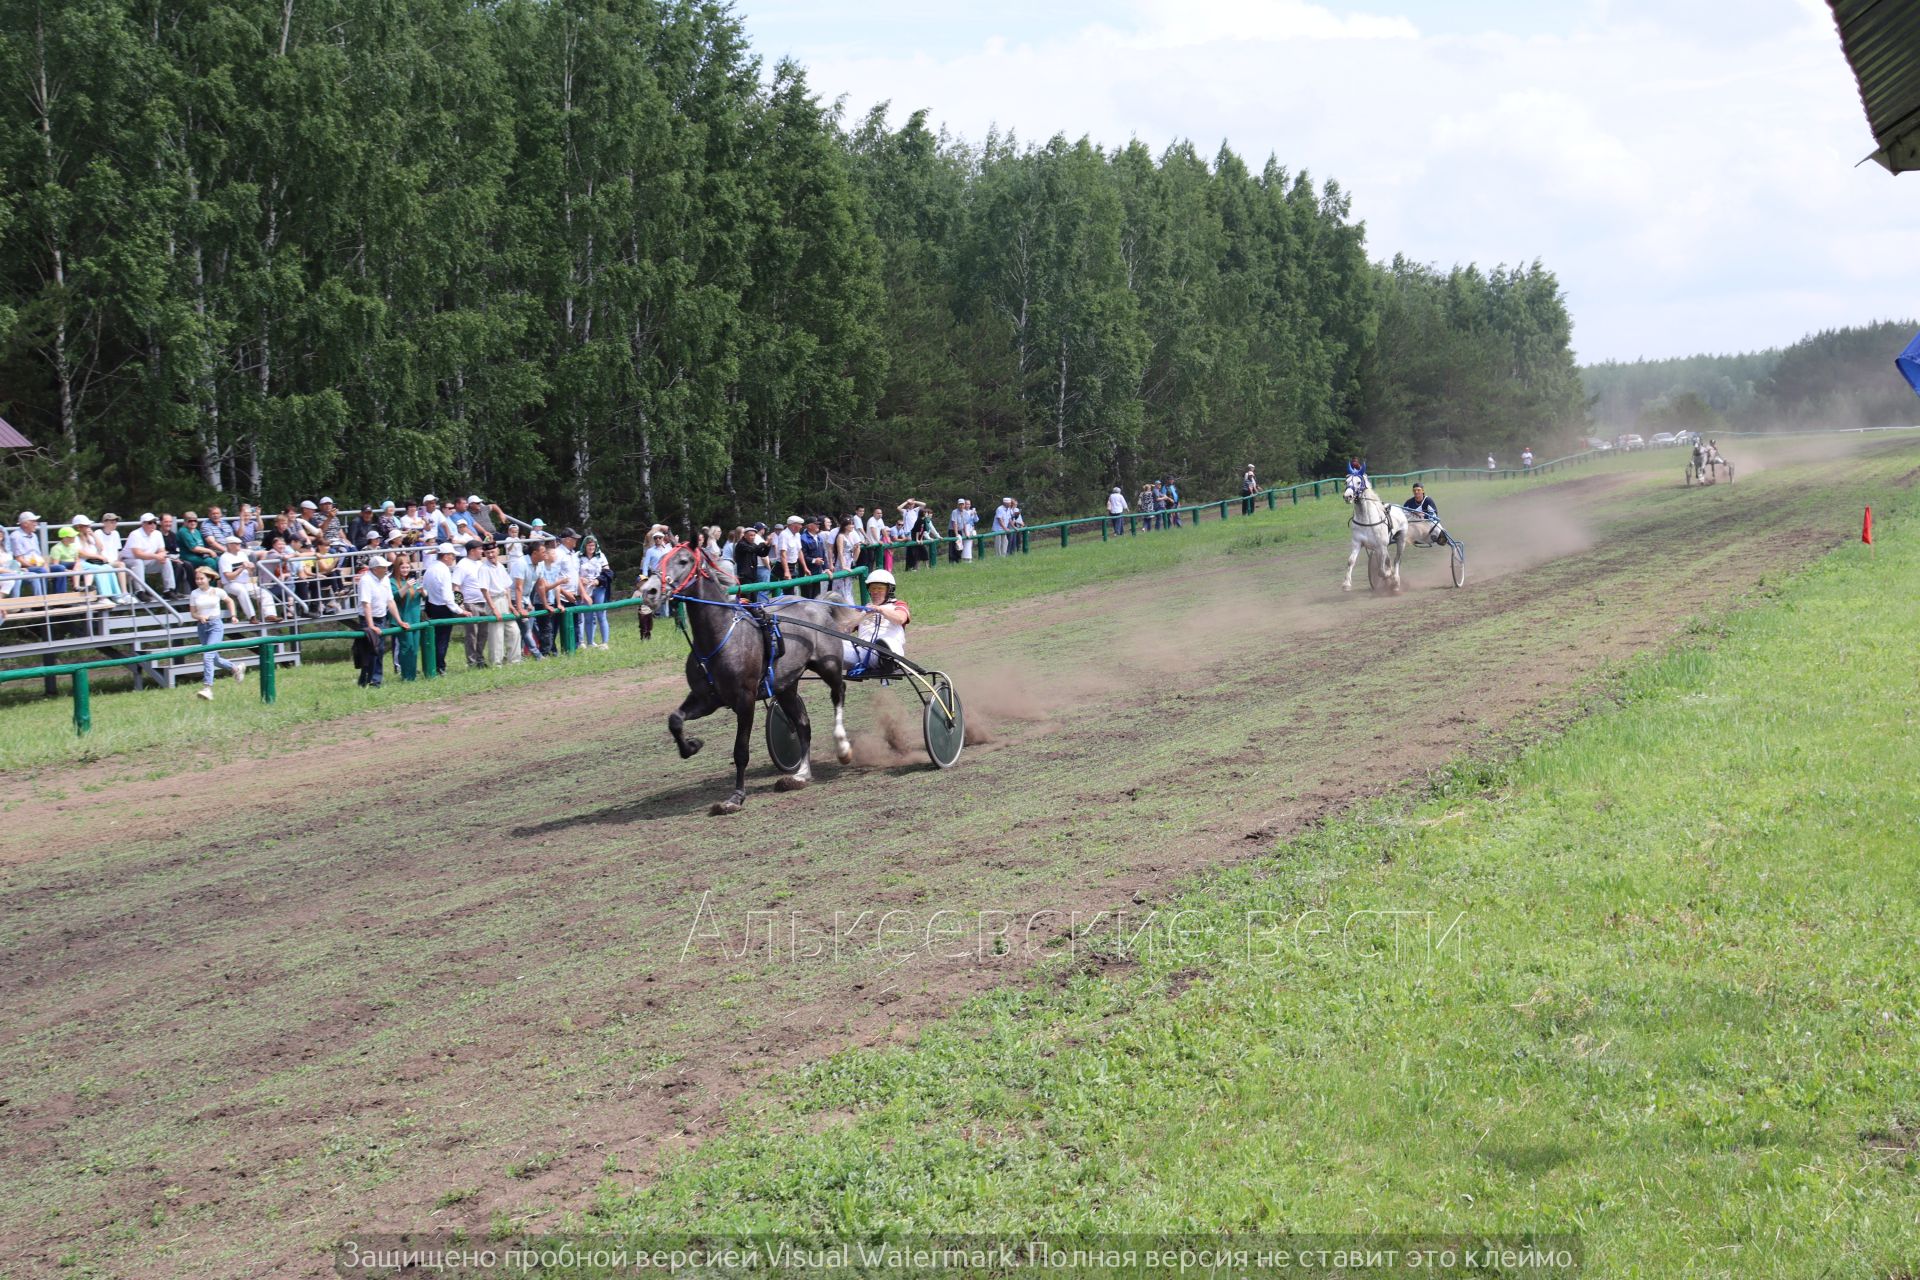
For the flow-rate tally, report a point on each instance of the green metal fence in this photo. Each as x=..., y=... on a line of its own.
x=81, y=673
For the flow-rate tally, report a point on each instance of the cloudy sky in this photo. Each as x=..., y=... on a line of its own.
x=1687, y=168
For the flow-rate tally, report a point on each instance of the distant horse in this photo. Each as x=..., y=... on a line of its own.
x=728, y=668
x=1379, y=530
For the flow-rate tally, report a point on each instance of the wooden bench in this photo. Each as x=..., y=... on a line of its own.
x=28, y=607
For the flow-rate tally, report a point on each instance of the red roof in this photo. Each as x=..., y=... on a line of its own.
x=11, y=439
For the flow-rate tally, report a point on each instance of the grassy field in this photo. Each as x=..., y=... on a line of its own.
x=36, y=731
x=1652, y=983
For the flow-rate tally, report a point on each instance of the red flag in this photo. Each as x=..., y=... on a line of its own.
x=1866, y=527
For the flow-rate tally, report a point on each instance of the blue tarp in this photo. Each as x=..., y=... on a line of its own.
x=1908, y=363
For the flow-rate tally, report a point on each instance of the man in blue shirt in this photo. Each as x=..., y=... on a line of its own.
x=1420, y=507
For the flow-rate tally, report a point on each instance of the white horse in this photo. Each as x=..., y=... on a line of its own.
x=1379, y=529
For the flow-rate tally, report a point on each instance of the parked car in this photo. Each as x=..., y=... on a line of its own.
x=1628, y=442
x=1598, y=445
x=1665, y=440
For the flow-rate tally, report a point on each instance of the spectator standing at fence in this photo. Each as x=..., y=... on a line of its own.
x=1491, y=464
x=1145, y=499
x=750, y=555
x=813, y=557
x=961, y=522
x=497, y=588
x=409, y=602
x=1526, y=457
x=145, y=553
x=786, y=556
x=1002, y=527
x=1248, y=488
x=1172, y=494
x=550, y=588
x=596, y=584
x=210, y=608
x=373, y=596
x=1117, y=507
x=473, y=597
x=521, y=560
x=876, y=528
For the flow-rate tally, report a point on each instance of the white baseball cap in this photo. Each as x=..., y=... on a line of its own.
x=795, y=520
x=328, y=501
x=148, y=515
x=81, y=521
x=380, y=562
x=233, y=540
x=429, y=498
x=306, y=504
x=473, y=497
x=29, y=515
x=446, y=549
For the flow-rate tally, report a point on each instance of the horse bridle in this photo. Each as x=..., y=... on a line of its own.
x=698, y=569
x=1354, y=496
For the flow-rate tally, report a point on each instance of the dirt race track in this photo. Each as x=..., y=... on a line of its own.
x=462, y=965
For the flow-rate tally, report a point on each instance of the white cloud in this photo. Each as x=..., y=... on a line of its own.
x=1690, y=179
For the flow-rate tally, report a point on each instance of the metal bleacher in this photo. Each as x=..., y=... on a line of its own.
x=37, y=627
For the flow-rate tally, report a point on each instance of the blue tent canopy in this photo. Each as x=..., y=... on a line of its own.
x=1908, y=363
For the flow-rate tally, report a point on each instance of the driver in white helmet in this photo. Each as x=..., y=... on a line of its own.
x=883, y=626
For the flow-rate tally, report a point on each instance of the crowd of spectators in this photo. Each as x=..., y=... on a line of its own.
x=391, y=567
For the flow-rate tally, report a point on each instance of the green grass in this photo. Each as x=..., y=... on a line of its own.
x=1656, y=987
x=36, y=731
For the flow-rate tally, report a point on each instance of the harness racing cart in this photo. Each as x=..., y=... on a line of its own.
x=942, y=720
x=1457, y=561
x=1708, y=469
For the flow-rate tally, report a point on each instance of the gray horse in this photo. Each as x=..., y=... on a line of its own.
x=727, y=668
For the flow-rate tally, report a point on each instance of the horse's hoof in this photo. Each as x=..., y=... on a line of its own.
x=1346, y=586
x=723, y=807
x=790, y=783
x=690, y=748
x=844, y=753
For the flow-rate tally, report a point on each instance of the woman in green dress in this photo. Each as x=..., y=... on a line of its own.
x=412, y=602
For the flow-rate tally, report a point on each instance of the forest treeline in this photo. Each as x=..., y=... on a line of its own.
x=591, y=258
x=1834, y=378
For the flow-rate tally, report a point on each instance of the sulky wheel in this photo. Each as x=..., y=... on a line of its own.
x=1458, y=562
x=783, y=741
x=945, y=723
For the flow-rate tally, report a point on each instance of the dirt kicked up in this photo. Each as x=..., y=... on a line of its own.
x=454, y=969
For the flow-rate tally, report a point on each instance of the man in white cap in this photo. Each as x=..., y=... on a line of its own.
x=440, y=526
x=1004, y=517
x=962, y=524
x=1248, y=488
x=92, y=568
x=146, y=555
x=477, y=509
x=373, y=595
x=23, y=547
x=1117, y=507
x=443, y=598
x=787, y=560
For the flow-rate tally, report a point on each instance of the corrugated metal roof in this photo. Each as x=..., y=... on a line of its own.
x=11, y=439
x=1881, y=39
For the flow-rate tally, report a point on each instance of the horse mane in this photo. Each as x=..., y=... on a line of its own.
x=725, y=573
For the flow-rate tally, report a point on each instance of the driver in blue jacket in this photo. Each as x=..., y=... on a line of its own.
x=1421, y=507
